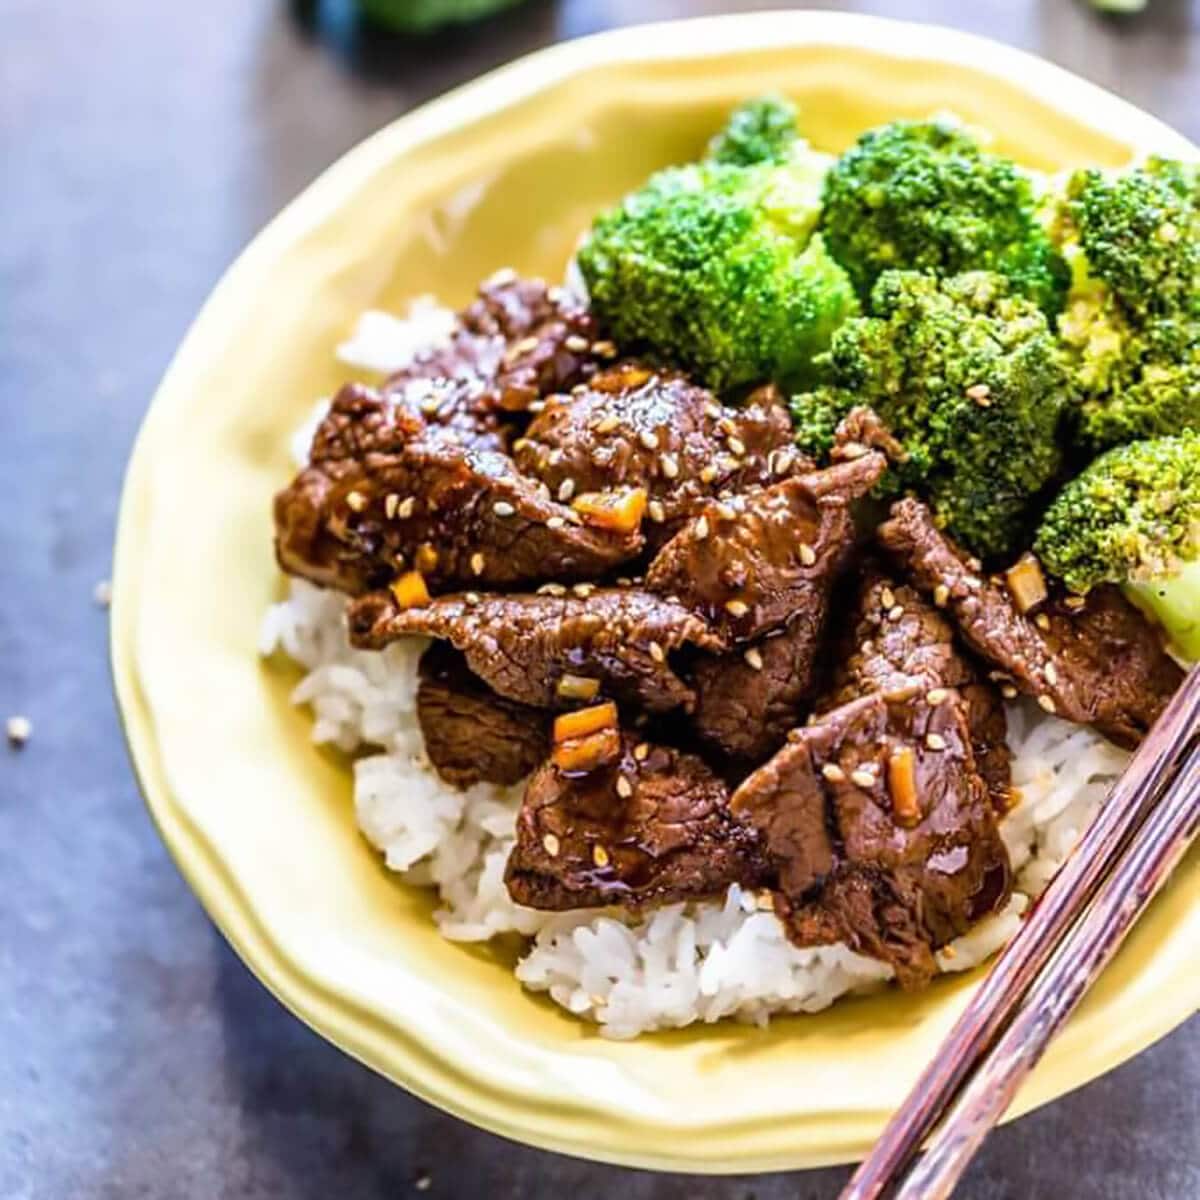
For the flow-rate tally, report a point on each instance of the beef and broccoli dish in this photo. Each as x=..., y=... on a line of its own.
x=739, y=555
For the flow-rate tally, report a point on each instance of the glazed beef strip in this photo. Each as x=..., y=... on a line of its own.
x=379, y=498
x=750, y=563
x=637, y=426
x=896, y=644
x=879, y=830
x=748, y=699
x=1093, y=659
x=472, y=735
x=553, y=650
x=517, y=342
x=648, y=824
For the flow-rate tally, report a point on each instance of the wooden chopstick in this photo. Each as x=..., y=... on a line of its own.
x=1156, y=763
x=1154, y=851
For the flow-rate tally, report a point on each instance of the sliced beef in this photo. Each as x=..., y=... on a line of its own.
x=525, y=647
x=880, y=831
x=637, y=426
x=651, y=825
x=750, y=563
x=380, y=498
x=897, y=644
x=748, y=699
x=1093, y=659
x=472, y=735
x=517, y=342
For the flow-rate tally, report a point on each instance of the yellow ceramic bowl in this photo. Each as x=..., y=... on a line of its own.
x=508, y=170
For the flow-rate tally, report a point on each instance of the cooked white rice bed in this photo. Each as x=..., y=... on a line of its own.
x=677, y=964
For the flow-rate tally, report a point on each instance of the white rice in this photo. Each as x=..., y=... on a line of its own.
x=701, y=961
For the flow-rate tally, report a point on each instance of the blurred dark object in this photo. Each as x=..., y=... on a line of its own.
x=423, y=16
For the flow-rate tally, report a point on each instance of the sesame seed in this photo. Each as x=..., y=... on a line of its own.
x=1075, y=603
x=887, y=598
x=1047, y=703
x=430, y=405
x=600, y=856
x=764, y=901
x=608, y=424
x=714, y=410
x=502, y=278
x=736, y=608
x=1042, y=622
x=895, y=612
x=648, y=439
x=389, y=505
x=669, y=464
x=808, y=555
x=584, y=590
x=477, y=563
x=1050, y=671
x=576, y=344
x=656, y=511
x=356, y=501
x=472, y=597
x=726, y=512
x=624, y=787
x=863, y=778
x=980, y=393
x=700, y=529
x=536, y=406
x=405, y=507
x=935, y=741
x=782, y=463
x=656, y=652
x=708, y=474
x=502, y=508
x=852, y=450
x=936, y=696
x=423, y=1182
x=737, y=445
x=833, y=773
x=605, y=349
x=754, y=659
x=526, y=345
x=941, y=594
x=641, y=750
x=566, y=490
x=426, y=558
x=102, y=594
x=551, y=843
x=555, y=522
x=19, y=730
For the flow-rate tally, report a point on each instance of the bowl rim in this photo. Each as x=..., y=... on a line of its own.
x=356, y=1031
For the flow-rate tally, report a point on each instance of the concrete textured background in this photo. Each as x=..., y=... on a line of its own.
x=142, y=144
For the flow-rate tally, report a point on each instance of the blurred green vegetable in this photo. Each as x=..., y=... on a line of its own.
x=423, y=16
x=763, y=130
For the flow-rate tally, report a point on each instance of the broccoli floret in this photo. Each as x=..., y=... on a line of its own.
x=924, y=196
x=1133, y=517
x=716, y=267
x=1131, y=328
x=965, y=375
x=1139, y=233
x=760, y=131
x=423, y=16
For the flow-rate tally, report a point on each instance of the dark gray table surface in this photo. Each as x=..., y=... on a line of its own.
x=142, y=143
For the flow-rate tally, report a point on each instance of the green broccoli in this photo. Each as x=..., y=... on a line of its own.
x=764, y=130
x=924, y=196
x=965, y=375
x=716, y=267
x=1133, y=517
x=1131, y=328
x=423, y=16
